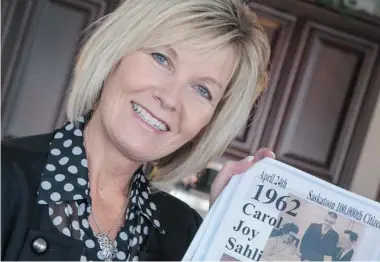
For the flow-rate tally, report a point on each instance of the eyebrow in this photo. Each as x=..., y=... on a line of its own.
x=172, y=52
x=211, y=80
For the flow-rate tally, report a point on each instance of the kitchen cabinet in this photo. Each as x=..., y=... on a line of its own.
x=40, y=41
x=325, y=76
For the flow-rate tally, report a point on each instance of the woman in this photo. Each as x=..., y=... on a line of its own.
x=167, y=82
x=283, y=247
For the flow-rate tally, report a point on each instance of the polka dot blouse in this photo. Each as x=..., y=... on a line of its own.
x=65, y=189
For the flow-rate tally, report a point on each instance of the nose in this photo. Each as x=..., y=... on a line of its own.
x=168, y=97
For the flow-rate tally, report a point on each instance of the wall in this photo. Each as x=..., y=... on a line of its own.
x=366, y=180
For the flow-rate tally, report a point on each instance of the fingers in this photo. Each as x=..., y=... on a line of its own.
x=236, y=167
x=263, y=153
x=232, y=168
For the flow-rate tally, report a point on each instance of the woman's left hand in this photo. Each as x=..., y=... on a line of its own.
x=231, y=168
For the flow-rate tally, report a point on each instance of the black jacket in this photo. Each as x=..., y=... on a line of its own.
x=314, y=247
x=23, y=220
x=337, y=256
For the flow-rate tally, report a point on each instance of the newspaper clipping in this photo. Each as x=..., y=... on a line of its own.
x=278, y=213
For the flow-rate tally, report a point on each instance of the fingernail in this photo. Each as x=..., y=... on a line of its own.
x=249, y=158
x=274, y=156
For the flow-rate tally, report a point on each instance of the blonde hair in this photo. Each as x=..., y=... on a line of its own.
x=204, y=24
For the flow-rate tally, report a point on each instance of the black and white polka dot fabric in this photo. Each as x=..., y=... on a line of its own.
x=65, y=189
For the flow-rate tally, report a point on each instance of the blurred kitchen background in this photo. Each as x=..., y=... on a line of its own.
x=320, y=113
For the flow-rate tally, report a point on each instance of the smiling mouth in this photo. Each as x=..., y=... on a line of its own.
x=149, y=119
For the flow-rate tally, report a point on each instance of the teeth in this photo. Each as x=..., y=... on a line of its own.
x=156, y=123
x=136, y=108
x=149, y=118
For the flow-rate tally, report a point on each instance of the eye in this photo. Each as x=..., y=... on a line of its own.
x=203, y=91
x=161, y=59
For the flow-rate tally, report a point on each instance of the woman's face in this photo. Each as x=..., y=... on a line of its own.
x=157, y=100
x=288, y=237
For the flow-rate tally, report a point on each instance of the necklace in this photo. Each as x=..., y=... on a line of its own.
x=106, y=244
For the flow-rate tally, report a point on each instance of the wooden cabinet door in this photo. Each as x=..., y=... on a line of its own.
x=279, y=26
x=323, y=92
x=40, y=40
x=321, y=100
